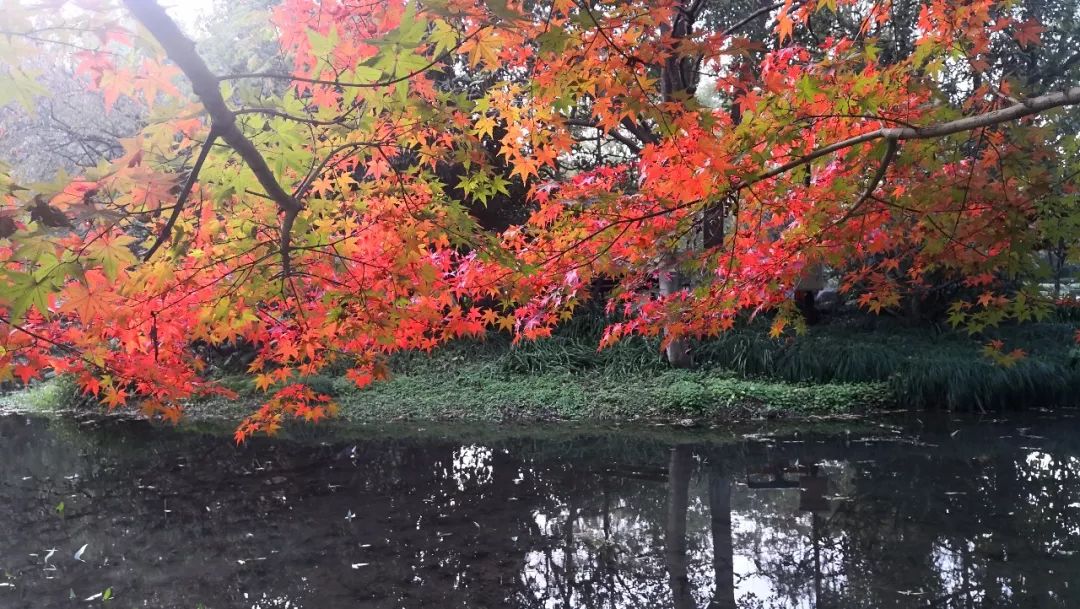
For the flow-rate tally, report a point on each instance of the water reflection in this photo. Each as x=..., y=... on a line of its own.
x=973, y=516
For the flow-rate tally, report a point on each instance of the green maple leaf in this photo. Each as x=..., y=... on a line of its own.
x=113, y=254
x=28, y=291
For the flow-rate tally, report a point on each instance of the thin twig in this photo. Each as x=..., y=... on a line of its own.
x=166, y=231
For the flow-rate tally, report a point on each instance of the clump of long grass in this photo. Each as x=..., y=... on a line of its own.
x=922, y=366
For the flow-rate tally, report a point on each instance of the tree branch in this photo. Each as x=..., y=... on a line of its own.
x=1034, y=105
x=1028, y=107
x=292, y=117
x=166, y=231
x=63, y=347
x=890, y=154
x=754, y=15
x=613, y=134
x=181, y=51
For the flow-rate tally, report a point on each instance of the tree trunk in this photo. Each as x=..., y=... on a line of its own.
x=678, y=350
x=678, y=77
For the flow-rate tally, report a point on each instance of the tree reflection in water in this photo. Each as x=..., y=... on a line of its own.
x=988, y=518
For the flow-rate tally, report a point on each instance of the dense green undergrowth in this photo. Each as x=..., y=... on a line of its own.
x=922, y=368
x=848, y=365
x=851, y=365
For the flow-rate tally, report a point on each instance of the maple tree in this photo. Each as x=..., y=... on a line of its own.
x=328, y=212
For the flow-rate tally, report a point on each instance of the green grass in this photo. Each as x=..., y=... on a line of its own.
x=841, y=367
x=478, y=390
x=852, y=365
x=474, y=394
x=567, y=378
x=44, y=396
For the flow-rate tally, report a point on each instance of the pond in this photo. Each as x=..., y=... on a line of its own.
x=931, y=513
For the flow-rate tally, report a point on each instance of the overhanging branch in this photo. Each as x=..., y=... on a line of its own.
x=181, y=50
x=1028, y=107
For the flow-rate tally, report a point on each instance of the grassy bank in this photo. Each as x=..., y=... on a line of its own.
x=851, y=366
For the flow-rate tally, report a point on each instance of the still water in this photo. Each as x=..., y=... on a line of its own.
x=970, y=514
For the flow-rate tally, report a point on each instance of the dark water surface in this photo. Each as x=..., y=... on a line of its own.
x=954, y=514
